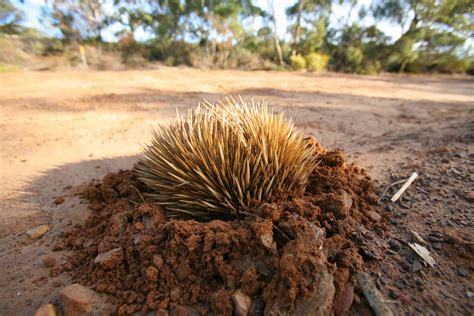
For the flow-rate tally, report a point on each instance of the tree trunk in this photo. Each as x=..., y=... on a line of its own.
x=296, y=33
x=275, y=33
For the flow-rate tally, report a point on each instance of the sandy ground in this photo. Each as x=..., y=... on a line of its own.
x=61, y=129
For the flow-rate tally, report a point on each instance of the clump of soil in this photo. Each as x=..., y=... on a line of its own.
x=294, y=255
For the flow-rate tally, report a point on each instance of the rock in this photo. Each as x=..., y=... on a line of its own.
x=463, y=272
x=110, y=259
x=46, y=310
x=37, y=232
x=267, y=241
x=469, y=196
x=393, y=294
x=416, y=266
x=394, y=244
x=374, y=216
x=241, y=303
x=319, y=303
x=59, y=200
x=79, y=300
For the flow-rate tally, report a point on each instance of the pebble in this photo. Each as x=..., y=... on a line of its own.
x=241, y=302
x=59, y=200
x=416, y=266
x=469, y=196
x=394, y=294
x=394, y=244
x=37, y=232
x=406, y=265
x=374, y=216
x=463, y=272
x=77, y=299
x=110, y=259
x=46, y=310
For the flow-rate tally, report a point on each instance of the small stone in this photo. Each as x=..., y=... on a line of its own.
x=267, y=241
x=416, y=266
x=374, y=216
x=394, y=244
x=77, y=300
x=37, y=232
x=406, y=265
x=463, y=273
x=110, y=259
x=469, y=196
x=59, y=200
x=241, y=302
x=394, y=294
x=46, y=310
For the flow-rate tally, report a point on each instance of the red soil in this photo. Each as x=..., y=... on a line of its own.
x=294, y=255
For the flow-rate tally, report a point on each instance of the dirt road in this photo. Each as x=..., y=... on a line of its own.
x=61, y=129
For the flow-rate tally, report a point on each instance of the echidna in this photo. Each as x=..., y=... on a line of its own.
x=223, y=159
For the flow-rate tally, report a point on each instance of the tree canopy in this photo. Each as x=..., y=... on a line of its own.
x=225, y=33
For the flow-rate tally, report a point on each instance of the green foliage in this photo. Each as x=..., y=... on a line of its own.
x=298, y=62
x=10, y=18
x=316, y=61
x=219, y=34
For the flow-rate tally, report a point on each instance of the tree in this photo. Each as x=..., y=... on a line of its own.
x=76, y=19
x=311, y=19
x=10, y=18
x=276, y=39
x=431, y=30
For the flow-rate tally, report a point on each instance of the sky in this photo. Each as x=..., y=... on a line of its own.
x=32, y=9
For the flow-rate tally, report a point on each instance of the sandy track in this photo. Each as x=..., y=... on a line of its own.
x=61, y=129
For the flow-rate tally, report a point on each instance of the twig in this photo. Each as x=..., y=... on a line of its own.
x=138, y=193
x=404, y=187
x=389, y=186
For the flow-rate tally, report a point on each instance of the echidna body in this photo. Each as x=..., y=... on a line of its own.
x=221, y=160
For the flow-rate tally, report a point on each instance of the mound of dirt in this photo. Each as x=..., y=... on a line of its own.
x=296, y=255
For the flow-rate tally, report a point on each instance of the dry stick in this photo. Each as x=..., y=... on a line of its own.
x=388, y=187
x=404, y=187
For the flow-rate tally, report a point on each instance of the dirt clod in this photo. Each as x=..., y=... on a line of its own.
x=295, y=256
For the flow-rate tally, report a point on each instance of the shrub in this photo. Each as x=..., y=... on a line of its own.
x=298, y=62
x=316, y=61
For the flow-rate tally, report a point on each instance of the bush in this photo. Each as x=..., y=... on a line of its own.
x=298, y=62
x=316, y=61
x=354, y=58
